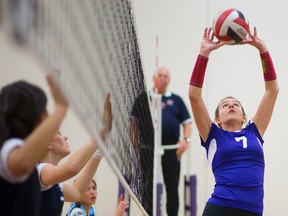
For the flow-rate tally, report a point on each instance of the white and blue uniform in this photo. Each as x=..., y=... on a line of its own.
x=237, y=162
x=19, y=195
x=76, y=209
x=52, y=197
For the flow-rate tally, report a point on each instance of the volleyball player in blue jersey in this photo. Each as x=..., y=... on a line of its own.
x=234, y=152
x=52, y=174
x=26, y=130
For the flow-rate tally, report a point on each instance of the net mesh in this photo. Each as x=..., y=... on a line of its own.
x=94, y=44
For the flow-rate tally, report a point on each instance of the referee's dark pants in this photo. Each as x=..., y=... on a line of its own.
x=171, y=174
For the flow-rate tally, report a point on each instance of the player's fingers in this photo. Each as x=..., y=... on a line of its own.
x=255, y=31
x=205, y=33
x=210, y=34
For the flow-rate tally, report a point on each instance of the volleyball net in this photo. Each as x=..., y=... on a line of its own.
x=95, y=46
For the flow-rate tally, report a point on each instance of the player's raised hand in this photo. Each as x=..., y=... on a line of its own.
x=107, y=114
x=107, y=118
x=122, y=206
x=255, y=41
x=208, y=43
x=57, y=95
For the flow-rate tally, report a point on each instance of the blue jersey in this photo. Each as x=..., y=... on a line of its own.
x=237, y=162
x=21, y=198
x=52, y=201
x=52, y=196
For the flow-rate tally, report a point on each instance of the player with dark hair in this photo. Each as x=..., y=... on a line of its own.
x=234, y=149
x=140, y=177
x=26, y=130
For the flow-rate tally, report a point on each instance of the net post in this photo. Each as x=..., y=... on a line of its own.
x=158, y=152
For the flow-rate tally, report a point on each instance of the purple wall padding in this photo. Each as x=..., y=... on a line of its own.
x=190, y=195
x=159, y=196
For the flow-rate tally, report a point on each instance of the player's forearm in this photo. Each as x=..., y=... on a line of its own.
x=80, y=158
x=198, y=74
x=269, y=72
x=86, y=176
